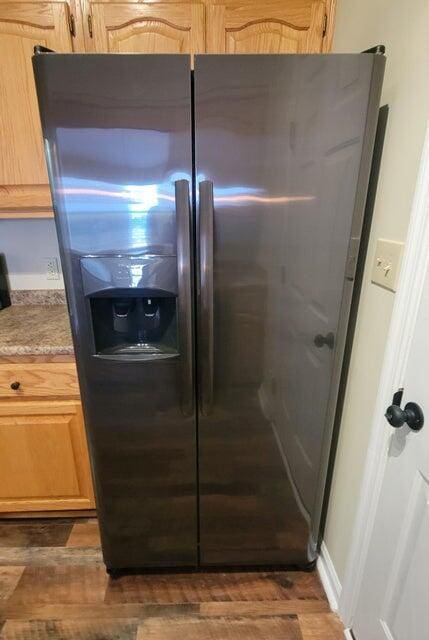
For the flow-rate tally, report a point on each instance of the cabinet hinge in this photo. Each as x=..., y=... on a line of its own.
x=325, y=25
x=90, y=25
x=72, y=26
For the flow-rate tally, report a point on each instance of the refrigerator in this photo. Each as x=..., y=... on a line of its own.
x=209, y=222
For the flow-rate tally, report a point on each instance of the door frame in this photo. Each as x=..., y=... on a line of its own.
x=404, y=315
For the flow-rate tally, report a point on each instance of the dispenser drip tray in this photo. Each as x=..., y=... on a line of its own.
x=140, y=350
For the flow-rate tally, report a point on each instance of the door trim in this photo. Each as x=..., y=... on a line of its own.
x=404, y=315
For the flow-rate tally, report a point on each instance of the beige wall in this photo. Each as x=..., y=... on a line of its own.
x=403, y=26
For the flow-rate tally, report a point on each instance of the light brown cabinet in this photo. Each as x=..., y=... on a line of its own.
x=167, y=26
x=294, y=26
x=35, y=380
x=23, y=178
x=44, y=462
x=147, y=28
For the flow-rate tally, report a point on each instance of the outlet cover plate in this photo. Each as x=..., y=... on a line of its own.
x=387, y=262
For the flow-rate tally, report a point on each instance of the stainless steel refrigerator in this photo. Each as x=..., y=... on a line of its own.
x=209, y=225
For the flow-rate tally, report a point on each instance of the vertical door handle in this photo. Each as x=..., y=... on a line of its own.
x=206, y=210
x=183, y=223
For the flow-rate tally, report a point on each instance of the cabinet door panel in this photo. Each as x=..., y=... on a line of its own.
x=22, y=161
x=44, y=461
x=149, y=28
x=276, y=27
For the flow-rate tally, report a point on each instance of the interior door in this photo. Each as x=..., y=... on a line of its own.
x=23, y=177
x=393, y=601
x=147, y=28
x=283, y=145
x=296, y=26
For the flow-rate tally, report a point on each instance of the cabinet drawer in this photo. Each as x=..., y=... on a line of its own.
x=27, y=380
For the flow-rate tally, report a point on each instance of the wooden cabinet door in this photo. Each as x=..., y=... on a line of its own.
x=147, y=28
x=23, y=178
x=44, y=461
x=278, y=26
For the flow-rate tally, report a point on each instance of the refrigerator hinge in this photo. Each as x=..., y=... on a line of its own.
x=325, y=25
x=352, y=258
x=70, y=19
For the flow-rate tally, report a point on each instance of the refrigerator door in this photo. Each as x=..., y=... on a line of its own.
x=117, y=131
x=283, y=148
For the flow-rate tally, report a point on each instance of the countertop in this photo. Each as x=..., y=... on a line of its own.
x=35, y=329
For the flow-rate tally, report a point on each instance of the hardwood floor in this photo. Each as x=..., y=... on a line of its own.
x=53, y=585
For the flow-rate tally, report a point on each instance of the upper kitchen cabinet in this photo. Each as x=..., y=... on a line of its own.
x=129, y=27
x=276, y=26
x=169, y=26
x=24, y=190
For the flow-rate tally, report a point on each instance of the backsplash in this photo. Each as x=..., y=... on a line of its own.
x=39, y=296
x=28, y=245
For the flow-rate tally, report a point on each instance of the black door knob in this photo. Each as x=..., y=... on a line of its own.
x=15, y=385
x=412, y=415
x=320, y=340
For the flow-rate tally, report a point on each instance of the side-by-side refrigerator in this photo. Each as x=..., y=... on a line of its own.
x=209, y=223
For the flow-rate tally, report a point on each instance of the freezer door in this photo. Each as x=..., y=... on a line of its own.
x=283, y=148
x=117, y=131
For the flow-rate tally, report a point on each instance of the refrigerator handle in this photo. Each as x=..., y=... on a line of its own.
x=206, y=210
x=181, y=188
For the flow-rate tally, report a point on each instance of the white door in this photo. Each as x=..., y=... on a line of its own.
x=393, y=601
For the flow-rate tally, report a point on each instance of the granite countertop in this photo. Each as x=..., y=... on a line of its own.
x=34, y=325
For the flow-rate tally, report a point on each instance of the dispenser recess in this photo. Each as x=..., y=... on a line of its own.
x=132, y=302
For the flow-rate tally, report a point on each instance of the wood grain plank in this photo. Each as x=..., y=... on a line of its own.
x=50, y=556
x=9, y=578
x=321, y=626
x=212, y=587
x=68, y=630
x=94, y=611
x=84, y=534
x=34, y=534
x=285, y=607
x=274, y=628
x=61, y=585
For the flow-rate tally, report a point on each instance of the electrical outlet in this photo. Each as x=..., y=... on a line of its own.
x=52, y=269
x=387, y=261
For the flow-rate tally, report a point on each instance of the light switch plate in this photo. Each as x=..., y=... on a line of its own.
x=387, y=262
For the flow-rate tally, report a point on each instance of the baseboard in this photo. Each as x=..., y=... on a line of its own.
x=329, y=578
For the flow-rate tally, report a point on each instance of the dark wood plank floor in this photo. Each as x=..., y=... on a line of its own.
x=53, y=585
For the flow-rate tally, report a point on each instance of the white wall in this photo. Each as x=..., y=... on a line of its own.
x=403, y=26
x=26, y=244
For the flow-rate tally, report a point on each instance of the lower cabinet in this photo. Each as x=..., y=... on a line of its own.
x=44, y=463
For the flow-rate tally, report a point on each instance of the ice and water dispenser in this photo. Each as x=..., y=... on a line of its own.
x=132, y=302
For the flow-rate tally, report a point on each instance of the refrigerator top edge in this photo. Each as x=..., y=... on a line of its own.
x=202, y=55
x=87, y=54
